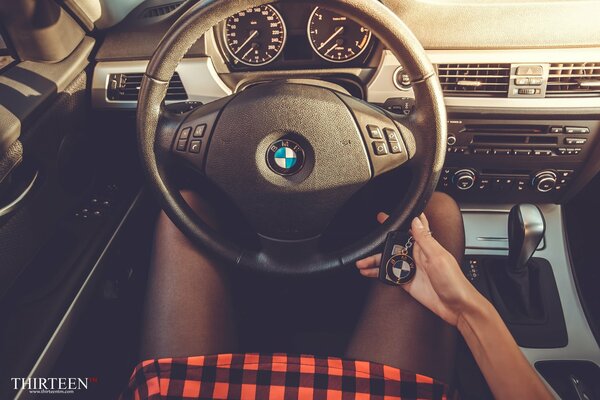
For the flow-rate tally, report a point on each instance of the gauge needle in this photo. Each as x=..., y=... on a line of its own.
x=337, y=32
x=248, y=52
x=331, y=48
x=252, y=36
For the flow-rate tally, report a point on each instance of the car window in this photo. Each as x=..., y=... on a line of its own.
x=6, y=58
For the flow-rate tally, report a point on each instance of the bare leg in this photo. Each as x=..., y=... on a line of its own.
x=395, y=329
x=188, y=307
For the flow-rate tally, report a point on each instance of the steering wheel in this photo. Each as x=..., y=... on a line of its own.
x=290, y=154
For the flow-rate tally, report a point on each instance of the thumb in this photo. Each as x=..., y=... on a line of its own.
x=422, y=235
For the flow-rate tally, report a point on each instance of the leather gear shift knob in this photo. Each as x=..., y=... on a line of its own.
x=526, y=228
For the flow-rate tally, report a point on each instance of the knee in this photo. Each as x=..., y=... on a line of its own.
x=442, y=205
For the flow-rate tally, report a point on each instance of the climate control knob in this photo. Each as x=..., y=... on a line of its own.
x=464, y=179
x=544, y=181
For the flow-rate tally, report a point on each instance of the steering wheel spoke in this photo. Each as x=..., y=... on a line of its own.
x=185, y=137
x=388, y=143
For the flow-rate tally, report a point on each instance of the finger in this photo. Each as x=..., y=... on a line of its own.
x=369, y=262
x=370, y=272
x=382, y=217
x=425, y=221
x=422, y=235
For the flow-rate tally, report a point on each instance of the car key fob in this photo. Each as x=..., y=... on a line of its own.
x=397, y=265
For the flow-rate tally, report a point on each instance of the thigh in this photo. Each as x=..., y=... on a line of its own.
x=395, y=329
x=188, y=309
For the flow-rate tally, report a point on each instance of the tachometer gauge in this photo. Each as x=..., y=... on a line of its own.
x=255, y=36
x=336, y=37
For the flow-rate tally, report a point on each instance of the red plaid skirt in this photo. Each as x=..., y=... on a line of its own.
x=277, y=376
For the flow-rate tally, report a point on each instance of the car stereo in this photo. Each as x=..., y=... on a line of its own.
x=524, y=158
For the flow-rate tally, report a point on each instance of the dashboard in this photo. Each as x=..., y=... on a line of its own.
x=523, y=122
x=291, y=36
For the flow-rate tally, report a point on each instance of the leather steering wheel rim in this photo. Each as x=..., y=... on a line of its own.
x=429, y=117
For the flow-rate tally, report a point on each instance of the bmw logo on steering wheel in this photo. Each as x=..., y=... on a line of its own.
x=285, y=157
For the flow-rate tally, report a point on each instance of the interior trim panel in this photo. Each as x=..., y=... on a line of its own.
x=198, y=76
x=57, y=341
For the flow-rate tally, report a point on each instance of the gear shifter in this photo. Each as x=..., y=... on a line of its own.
x=526, y=228
x=522, y=287
x=517, y=282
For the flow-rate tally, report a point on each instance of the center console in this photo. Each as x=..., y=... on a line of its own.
x=523, y=160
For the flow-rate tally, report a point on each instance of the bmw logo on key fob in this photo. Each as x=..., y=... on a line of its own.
x=397, y=266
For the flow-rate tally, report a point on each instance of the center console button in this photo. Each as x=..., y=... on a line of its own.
x=535, y=81
x=484, y=184
x=544, y=181
x=464, y=179
x=529, y=91
x=522, y=184
x=528, y=70
x=565, y=173
x=503, y=152
x=482, y=151
x=576, y=129
x=522, y=152
x=575, y=140
x=556, y=129
x=522, y=81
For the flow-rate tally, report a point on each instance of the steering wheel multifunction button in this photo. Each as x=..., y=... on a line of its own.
x=380, y=148
x=374, y=132
x=199, y=131
x=185, y=134
x=391, y=135
x=181, y=145
x=395, y=148
x=195, y=146
x=285, y=157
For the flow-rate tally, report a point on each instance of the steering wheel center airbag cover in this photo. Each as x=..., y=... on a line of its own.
x=335, y=162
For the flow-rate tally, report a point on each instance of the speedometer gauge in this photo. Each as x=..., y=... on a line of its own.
x=336, y=37
x=255, y=36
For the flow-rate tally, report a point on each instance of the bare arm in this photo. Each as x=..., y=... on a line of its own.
x=441, y=286
x=506, y=370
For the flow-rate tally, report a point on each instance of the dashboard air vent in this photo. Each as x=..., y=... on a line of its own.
x=480, y=80
x=574, y=80
x=159, y=11
x=126, y=87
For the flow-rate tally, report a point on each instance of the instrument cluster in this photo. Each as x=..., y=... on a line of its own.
x=291, y=36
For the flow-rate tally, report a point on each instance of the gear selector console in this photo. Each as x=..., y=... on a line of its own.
x=520, y=286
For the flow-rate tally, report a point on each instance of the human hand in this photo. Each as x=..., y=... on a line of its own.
x=439, y=283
